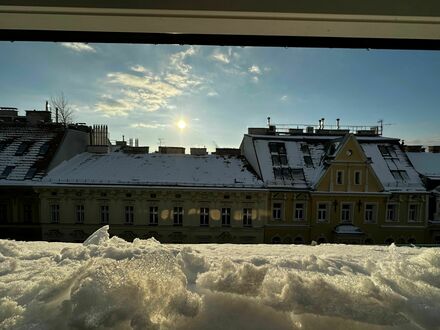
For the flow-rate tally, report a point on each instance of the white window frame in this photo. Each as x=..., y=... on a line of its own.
x=350, y=220
x=153, y=215
x=247, y=217
x=326, y=210
x=129, y=214
x=279, y=210
x=342, y=177
x=301, y=210
x=204, y=217
x=373, y=213
x=226, y=216
x=417, y=212
x=360, y=178
x=178, y=216
x=79, y=213
x=396, y=212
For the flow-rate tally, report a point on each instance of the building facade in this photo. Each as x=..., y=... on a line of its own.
x=281, y=186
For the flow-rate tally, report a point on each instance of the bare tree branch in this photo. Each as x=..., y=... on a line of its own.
x=65, y=112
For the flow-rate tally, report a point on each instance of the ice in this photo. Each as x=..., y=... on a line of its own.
x=108, y=283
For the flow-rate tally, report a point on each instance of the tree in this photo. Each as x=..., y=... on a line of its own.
x=65, y=111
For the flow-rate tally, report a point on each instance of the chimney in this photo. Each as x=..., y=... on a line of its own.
x=136, y=142
x=56, y=115
x=130, y=142
x=268, y=121
x=47, y=105
x=319, y=124
x=322, y=121
x=337, y=123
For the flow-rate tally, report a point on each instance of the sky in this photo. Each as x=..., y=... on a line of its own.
x=215, y=93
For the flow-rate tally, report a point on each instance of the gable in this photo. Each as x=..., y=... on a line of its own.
x=348, y=170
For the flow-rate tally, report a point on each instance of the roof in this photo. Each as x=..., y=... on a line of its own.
x=306, y=160
x=25, y=152
x=119, y=168
x=426, y=163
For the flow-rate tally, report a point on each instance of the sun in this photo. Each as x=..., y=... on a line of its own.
x=181, y=124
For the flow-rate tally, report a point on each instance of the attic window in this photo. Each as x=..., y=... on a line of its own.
x=6, y=172
x=387, y=151
x=44, y=149
x=308, y=160
x=23, y=148
x=277, y=147
x=4, y=144
x=30, y=173
x=400, y=175
x=153, y=196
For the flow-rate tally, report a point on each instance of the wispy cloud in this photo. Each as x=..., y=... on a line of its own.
x=138, y=68
x=254, y=69
x=255, y=79
x=153, y=126
x=221, y=57
x=283, y=98
x=147, y=91
x=212, y=93
x=79, y=47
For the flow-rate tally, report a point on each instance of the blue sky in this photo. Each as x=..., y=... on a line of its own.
x=143, y=91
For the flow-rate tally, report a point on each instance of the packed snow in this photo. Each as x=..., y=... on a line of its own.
x=110, y=283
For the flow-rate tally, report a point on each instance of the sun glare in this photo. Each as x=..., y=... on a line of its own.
x=181, y=124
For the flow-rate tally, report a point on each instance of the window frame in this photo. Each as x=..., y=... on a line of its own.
x=204, y=216
x=302, y=209
x=373, y=213
x=277, y=209
x=129, y=215
x=247, y=217
x=357, y=174
x=153, y=215
x=79, y=213
x=54, y=213
x=226, y=216
x=416, y=212
x=178, y=216
x=104, y=214
x=337, y=177
x=395, y=210
x=326, y=210
x=350, y=214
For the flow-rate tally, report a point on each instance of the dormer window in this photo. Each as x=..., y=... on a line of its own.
x=23, y=148
x=6, y=172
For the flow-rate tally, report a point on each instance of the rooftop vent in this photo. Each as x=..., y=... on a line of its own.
x=172, y=150
x=99, y=142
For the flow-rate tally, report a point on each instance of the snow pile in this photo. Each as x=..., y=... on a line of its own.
x=109, y=283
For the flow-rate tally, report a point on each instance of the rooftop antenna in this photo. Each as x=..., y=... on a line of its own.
x=380, y=122
x=160, y=141
x=268, y=121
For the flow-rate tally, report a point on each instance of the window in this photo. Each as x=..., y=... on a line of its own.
x=30, y=173
x=104, y=214
x=346, y=213
x=247, y=217
x=391, y=212
x=370, y=213
x=153, y=196
x=308, y=161
x=276, y=211
x=79, y=212
x=177, y=216
x=357, y=177
x=322, y=212
x=276, y=160
x=27, y=213
x=413, y=213
x=400, y=175
x=6, y=172
x=154, y=216
x=226, y=217
x=204, y=216
x=283, y=160
x=44, y=149
x=23, y=148
x=55, y=213
x=3, y=213
x=277, y=147
x=339, y=177
x=299, y=211
x=129, y=214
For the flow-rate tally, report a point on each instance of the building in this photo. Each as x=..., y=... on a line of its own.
x=283, y=185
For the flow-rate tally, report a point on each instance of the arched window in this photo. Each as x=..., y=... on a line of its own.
x=276, y=240
x=389, y=240
x=322, y=240
x=298, y=240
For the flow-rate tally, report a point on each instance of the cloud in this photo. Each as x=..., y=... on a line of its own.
x=254, y=69
x=213, y=93
x=153, y=126
x=147, y=91
x=255, y=79
x=283, y=98
x=78, y=47
x=138, y=68
x=220, y=57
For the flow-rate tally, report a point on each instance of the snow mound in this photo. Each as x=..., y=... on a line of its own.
x=108, y=283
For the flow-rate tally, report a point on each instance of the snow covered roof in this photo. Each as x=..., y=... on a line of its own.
x=426, y=163
x=348, y=229
x=119, y=168
x=299, y=161
x=392, y=167
x=25, y=152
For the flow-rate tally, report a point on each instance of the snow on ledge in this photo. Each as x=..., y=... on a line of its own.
x=110, y=283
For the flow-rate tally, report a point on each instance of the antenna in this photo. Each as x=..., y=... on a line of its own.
x=160, y=141
x=380, y=122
